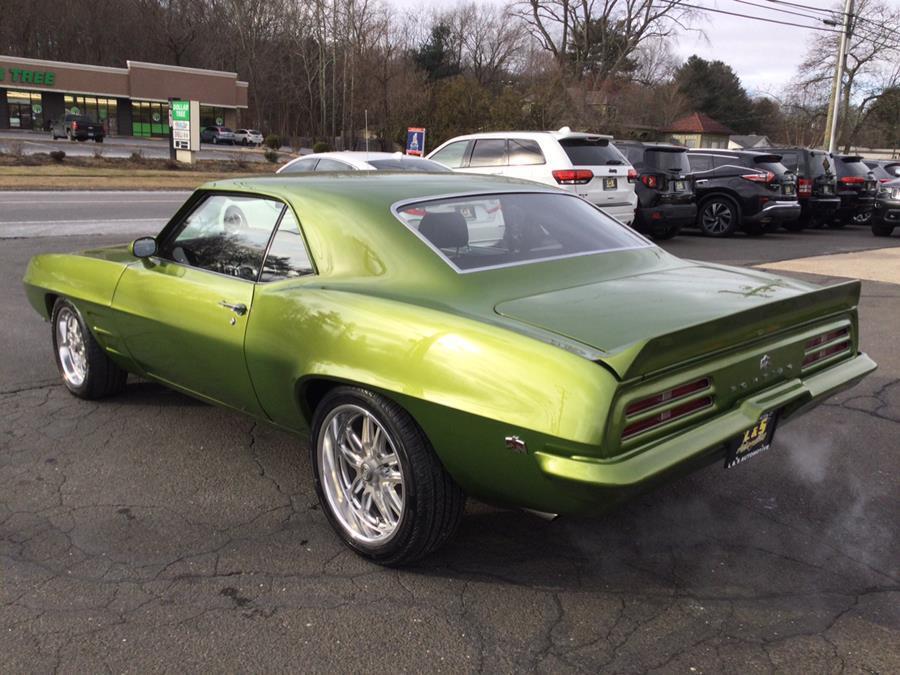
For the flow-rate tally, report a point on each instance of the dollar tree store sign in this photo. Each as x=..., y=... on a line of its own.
x=46, y=78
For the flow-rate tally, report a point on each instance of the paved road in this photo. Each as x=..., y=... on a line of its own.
x=151, y=532
x=48, y=214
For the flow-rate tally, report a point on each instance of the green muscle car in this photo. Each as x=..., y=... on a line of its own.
x=442, y=334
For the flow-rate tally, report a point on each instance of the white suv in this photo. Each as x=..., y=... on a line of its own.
x=586, y=164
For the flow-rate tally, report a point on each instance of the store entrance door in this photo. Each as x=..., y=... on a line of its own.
x=20, y=116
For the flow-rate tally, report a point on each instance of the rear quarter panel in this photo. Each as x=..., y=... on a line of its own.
x=469, y=384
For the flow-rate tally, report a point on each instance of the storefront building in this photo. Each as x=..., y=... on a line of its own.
x=131, y=101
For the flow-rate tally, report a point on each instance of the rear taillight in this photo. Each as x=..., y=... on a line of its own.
x=826, y=345
x=804, y=187
x=674, y=404
x=573, y=176
x=762, y=177
x=852, y=180
x=649, y=181
x=632, y=175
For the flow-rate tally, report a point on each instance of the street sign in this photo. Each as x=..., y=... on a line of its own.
x=181, y=125
x=415, y=141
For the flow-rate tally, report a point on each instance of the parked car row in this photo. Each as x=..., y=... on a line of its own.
x=659, y=188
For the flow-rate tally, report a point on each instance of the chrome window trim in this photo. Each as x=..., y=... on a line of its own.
x=398, y=205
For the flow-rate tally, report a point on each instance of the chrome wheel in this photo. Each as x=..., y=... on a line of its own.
x=862, y=218
x=717, y=218
x=70, y=347
x=361, y=474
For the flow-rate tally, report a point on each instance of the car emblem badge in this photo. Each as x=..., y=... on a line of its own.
x=516, y=444
x=765, y=362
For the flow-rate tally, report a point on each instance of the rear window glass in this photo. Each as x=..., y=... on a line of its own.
x=777, y=168
x=592, y=152
x=851, y=167
x=408, y=164
x=667, y=160
x=483, y=231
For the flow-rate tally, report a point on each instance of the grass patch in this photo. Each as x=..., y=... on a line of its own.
x=41, y=172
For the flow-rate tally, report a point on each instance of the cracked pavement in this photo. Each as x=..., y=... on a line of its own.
x=151, y=532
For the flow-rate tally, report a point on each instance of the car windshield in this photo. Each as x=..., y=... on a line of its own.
x=478, y=232
x=592, y=152
x=408, y=164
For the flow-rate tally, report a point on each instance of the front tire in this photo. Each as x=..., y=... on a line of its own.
x=379, y=481
x=882, y=230
x=85, y=368
x=718, y=217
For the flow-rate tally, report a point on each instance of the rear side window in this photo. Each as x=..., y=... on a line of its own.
x=524, y=152
x=300, y=166
x=287, y=257
x=489, y=152
x=408, y=164
x=700, y=162
x=728, y=160
x=592, y=152
x=326, y=164
x=452, y=155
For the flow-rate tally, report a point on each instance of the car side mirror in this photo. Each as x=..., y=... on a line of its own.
x=143, y=247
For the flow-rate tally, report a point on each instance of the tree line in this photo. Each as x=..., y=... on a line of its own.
x=319, y=69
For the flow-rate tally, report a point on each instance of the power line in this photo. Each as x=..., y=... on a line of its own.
x=756, y=18
x=777, y=9
x=829, y=12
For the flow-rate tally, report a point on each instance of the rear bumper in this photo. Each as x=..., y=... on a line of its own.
x=820, y=206
x=651, y=218
x=622, y=212
x=706, y=442
x=776, y=212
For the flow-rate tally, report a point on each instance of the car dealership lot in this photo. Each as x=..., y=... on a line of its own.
x=151, y=531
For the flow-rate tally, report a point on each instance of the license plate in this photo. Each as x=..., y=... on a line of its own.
x=789, y=189
x=467, y=212
x=91, y=134
x=753, y=441
x=827, y=190
x=679, y=186
x=610, y=183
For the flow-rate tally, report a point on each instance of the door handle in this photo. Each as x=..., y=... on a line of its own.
x=239, y=309
x=701, y=181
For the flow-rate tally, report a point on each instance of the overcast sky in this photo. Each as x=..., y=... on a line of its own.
x=764, y=55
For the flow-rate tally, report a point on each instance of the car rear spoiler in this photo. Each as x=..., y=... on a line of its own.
x=702, y=340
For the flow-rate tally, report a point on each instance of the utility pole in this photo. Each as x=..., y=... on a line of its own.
x=831, y=126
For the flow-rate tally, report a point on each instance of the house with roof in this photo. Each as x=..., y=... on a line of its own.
x=748, y=142
x=698, y=130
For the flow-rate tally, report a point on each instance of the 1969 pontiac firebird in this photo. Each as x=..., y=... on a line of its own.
x=441, y=335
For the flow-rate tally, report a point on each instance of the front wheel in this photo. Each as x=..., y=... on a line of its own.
x=718, y=217
x=862, y=218
x=379, y=481
x=85, y=368
x=882, y=230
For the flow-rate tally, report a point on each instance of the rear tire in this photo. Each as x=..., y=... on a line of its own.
x=667, y=232
x=718, y=216
x=384, y=491
x=85, y=368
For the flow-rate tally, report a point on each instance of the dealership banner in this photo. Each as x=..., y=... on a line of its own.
x=415, y=141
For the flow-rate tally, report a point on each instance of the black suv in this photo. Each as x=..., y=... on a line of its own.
x=742, y=189
x=886, y=215
x=856, y=186
x=665, y=193
x=816, y=185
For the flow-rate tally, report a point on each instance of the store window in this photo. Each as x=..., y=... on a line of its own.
x=102, y=110
x=211, y=116
x=25, y=110
x=149, y=118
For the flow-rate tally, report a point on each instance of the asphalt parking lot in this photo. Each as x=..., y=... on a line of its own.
x=152, y=532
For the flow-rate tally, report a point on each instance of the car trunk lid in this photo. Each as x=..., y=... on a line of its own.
x=649, y=322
